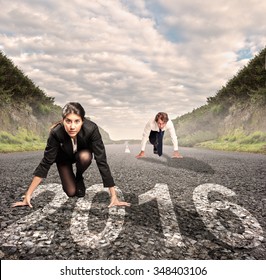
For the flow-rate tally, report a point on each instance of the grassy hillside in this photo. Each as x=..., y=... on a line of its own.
x=26, y=112
x=233, y=119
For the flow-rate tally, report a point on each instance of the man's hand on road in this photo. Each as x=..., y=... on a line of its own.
x=141, y=154
x=176, y=155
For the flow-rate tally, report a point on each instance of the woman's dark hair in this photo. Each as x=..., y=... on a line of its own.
x=162, y=116
x=70, y=108
x=73, y=108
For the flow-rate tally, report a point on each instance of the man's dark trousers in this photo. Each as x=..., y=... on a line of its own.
x=156, y=139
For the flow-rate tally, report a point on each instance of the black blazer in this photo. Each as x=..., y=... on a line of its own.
x=59, y=147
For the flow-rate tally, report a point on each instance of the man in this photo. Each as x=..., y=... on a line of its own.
x=154, y=132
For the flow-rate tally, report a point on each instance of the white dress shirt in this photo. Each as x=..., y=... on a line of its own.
x=152, y=125
x=74, y=144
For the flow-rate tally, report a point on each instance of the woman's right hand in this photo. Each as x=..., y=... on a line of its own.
x=27, y=197
x=25, y=202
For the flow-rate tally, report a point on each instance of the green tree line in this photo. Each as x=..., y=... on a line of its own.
x=17, y=88
x=234, y=118
x=248, y=85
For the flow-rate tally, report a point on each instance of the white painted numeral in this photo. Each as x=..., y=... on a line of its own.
x=253, y=233
x=20, y=233
x=168, y=219
x=81, y=233
x=20, y=229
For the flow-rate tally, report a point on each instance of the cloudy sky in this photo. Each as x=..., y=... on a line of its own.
x=126, y=60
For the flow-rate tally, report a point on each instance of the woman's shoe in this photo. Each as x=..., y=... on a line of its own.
x=80, y=188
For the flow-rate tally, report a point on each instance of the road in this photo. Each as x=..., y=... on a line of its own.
x=208, y=205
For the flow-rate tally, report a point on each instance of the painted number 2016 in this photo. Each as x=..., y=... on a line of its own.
x=251, y=235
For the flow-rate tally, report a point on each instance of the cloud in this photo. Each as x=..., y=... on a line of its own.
x=126, y=60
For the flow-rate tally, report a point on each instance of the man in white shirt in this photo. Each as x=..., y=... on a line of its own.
x=154, y=131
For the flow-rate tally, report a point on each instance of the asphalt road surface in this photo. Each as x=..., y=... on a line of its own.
x=208, y=205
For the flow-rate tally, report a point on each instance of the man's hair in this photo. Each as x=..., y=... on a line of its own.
x=162, y=116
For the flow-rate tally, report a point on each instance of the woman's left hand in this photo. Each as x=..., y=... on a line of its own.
x=116, y=202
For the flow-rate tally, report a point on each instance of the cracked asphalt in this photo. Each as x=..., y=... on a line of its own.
x=208, y=205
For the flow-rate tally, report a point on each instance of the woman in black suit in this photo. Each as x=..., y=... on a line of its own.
x=73, y=140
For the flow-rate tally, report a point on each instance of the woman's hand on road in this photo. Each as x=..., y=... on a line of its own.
x=116, y=202
x=25, y=202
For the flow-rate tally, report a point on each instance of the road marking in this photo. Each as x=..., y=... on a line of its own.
x=20, y=233
x=21, y=228
x=168, y=219
x=81, y=234
x=252, y=234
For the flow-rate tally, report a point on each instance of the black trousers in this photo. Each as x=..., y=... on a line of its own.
x=156, y=139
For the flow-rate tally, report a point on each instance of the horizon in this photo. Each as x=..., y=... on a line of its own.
x=124, y=61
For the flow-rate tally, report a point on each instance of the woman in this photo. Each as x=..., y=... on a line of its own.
x=73, y=140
